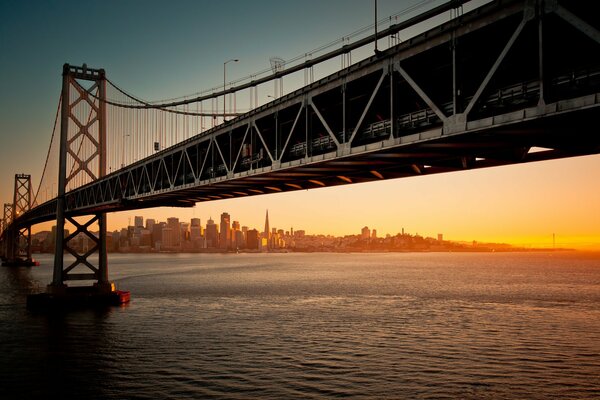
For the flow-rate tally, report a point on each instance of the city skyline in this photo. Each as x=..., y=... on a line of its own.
x=519, y=204
x=228, y=234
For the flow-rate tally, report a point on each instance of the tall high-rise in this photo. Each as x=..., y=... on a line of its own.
x=267, y=231
x=225, y=239
x=138, y=221
x=150, y=223
x=365, y=233
x=211, y=234
x=252, y=239
x=236, y=240
x=173, y=224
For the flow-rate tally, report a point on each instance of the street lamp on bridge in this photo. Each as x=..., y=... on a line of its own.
x=224, y=95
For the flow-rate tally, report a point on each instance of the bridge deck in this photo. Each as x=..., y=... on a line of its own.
x=482, y=90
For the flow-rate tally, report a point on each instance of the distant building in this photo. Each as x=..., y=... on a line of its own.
x=168, y=237
x=138, y=221
x=116, y=238
x=150, y=224
x=365, y=233
x=195, y=233
x=440, y=237
x=225, y=235
x=374, y=234
x=236, y=240
x=145, y=238
x=157, y=234
x=263, y=244
x=245, y=233
x=266, y=232
x=195, y=222
x=211, y=234
x=252, y=239
x=173, y=224
x=239, y=239
x=124, y=238
x=184, y=229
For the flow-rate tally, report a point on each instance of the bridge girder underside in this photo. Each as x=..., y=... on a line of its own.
x=512, y=82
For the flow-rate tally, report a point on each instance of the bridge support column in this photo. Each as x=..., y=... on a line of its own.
x=86, y=250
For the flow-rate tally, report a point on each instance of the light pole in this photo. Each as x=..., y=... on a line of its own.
x=224, y=95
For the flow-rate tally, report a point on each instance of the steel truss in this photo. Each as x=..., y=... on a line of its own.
x=480, y=90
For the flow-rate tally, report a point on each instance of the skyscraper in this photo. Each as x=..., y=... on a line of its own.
x=168, y=237
x=173, y=224
x=365, y=233
x=211, y=234
x=225, y=239
x=150, y=223
x=236, y=240
x=138, y=221
x=252, y=239
x=267, y=231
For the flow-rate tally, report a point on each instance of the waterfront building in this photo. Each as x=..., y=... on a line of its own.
x=157, y=234
x=239, y=239
x=211, y=234
x=173, y=224
x=245, y=233
x=145, y=238
x=225, y=235
x=365, y=233
x=150, y=222
x=169, y=237
x=184, y=229
x=252, y=239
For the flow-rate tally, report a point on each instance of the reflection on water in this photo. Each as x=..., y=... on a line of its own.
x=314, y=326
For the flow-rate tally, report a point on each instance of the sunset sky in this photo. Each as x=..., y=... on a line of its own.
x=158, y=49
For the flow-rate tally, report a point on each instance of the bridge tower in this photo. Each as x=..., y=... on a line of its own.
x=20, y=248
x=6, y=220
x=83, y=125
x=8, y=214
x=17, y=238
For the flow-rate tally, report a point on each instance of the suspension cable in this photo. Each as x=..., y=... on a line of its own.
x=165, y=106
x=49, y=150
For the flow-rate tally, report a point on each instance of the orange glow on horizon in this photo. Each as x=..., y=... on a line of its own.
x=522, y=205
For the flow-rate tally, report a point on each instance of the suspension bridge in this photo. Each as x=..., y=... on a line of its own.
x=512, y=81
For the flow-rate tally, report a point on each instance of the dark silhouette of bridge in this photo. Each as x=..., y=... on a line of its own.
x=512, y=81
